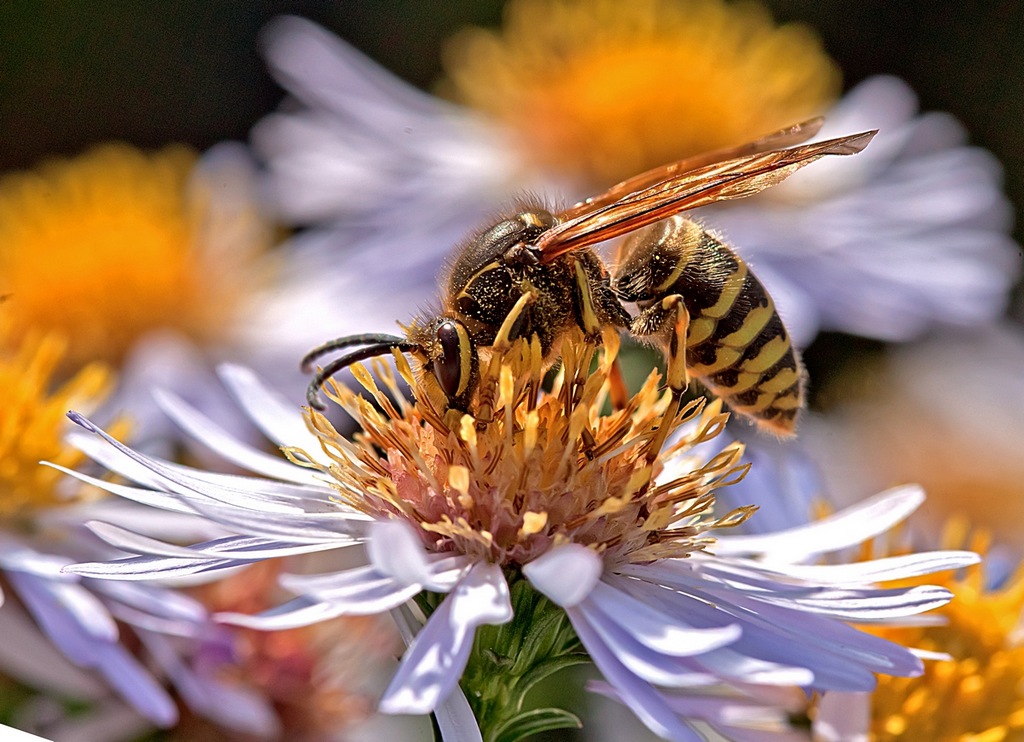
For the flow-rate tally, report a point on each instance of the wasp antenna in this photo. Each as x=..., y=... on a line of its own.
x=348, y=341
x=371, y=351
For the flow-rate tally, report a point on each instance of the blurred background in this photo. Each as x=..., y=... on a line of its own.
x=73, y=73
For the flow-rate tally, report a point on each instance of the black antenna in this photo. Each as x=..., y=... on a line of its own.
x=377, y=345
x=392, y=341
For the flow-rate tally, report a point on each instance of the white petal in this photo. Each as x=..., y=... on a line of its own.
x=278, y=419
x=432, y=666
x=565, y=574
x=848, y=527
x=455, y=719
x=218, y=440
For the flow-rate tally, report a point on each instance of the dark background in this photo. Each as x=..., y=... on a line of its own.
x=77, y=72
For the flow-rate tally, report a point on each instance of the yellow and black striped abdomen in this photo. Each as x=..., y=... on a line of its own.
x=736, y=343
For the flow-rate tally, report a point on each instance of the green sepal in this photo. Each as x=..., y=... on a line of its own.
x=533, y=722
x=508, y=660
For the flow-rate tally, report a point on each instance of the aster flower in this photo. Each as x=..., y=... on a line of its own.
x=187, y=244
x=980, y=691
x=539, y=494
x=84, y=620
x=364, y=151
x=974, y=693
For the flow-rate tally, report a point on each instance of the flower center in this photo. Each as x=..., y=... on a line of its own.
x=110, y=245
x=531, y=469
x=33, y=422
x=607, y=89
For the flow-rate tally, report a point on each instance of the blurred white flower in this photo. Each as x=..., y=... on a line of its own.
x=911, y=234
x=41, y=532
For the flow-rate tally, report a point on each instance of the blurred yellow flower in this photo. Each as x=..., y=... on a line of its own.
x=111, y=244
x=33, y=422
x=608, y=89
x=977, y=696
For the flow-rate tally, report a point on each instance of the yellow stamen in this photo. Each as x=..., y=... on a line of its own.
x=607, y=88
x=112, y=244
x=544, y=468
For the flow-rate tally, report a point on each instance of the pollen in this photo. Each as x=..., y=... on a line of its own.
x=532, y=468
x=979, y=693
x=607, y=89
x=107, y=246
x=33, y=423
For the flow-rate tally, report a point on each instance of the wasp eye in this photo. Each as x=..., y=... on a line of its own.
x=451, y=367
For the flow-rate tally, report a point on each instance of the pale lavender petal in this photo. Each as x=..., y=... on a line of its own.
x=26, y=654
x=395, y=549
x=660, y=631
x=432, y=666
x=206, y=431
x=136, y=685
x=763, y=722
x=210, y=492
x=233, y=707
x=228, y=547
x=291, y=615
x=565, y=574
x=18, y=557
x=848, y=527
x=152, y=498
x=455, y=719
x=158, y=523
x=154, y=600
x=277, y=418
x=361, y=591
x=648, y=705
x=58, y=606
x=654, y=667
x=152, y=568
x=329, y=73
x=875, y=570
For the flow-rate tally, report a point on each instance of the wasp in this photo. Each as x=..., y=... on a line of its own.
x=535, y=274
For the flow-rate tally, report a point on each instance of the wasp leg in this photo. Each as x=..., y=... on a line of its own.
x=502, y=341
x=668, y=322
x=588, y=315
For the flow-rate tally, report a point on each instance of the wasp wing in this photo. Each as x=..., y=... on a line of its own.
x=796, y=134
x=735, y=178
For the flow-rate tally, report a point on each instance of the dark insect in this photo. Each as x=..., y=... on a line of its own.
x=535, y=274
